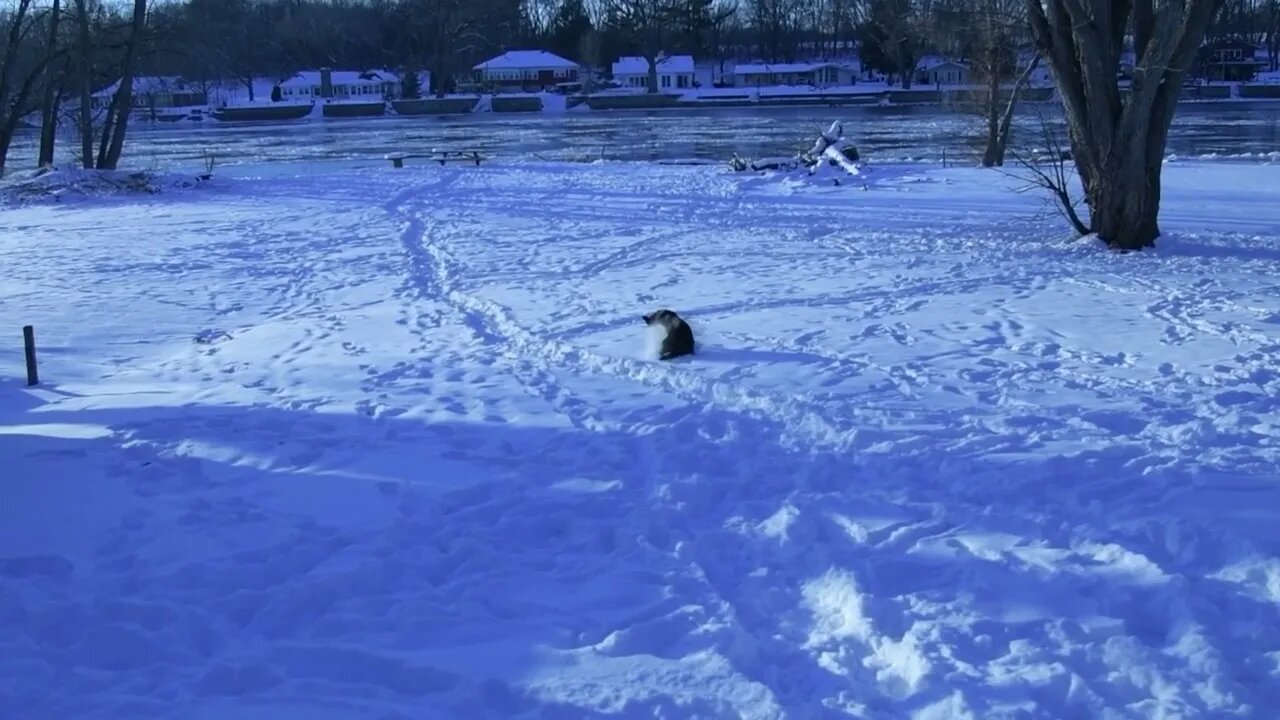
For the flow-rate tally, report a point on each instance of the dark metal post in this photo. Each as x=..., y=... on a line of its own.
x=29, y=340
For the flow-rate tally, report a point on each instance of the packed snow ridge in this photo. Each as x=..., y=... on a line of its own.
x=317, y=443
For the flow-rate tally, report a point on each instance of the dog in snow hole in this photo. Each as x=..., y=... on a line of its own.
x=675, y=334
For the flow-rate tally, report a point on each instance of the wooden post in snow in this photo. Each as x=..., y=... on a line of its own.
x=29, y=341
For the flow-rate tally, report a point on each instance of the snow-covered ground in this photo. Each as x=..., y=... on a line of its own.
x=364, y=443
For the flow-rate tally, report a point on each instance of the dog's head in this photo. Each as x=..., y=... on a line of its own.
x=660, y=316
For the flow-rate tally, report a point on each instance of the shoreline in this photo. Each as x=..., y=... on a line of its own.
x=175, y=176
x=724, y=98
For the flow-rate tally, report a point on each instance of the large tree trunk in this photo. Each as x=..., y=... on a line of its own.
x=1118, y=142
x=1124, y=202
x=122, y=104
x=651, y=84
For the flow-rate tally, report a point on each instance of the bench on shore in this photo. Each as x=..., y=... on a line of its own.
x=440, y=156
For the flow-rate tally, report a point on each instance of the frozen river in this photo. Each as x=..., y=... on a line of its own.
x=881, y=133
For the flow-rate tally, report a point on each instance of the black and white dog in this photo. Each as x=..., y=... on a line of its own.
x=677, y=336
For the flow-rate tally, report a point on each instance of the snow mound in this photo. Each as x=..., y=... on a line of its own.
x=829, y=161
x=72, y=184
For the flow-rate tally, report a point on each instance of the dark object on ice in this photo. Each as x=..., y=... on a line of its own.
x=679, y=338
x=441, y=156
x=850, y=153
x=211, y=336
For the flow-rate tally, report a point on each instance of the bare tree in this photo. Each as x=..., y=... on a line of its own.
x=445, y=29
x=992, y=34
x=775, y=23
x=55, y=74
x=538, y=15
x=589, y=56
x=1272, y=24
x=117, y=122
x=1000, y=120
x=696, y=23
x=899, y=27
x=83, y=54
x=1047, y=168
x=719, y=33
x=20, y=71
x=1118, y=141
x=649, y=24
x=1236, y=19
x=236, y=39
x=839, y=20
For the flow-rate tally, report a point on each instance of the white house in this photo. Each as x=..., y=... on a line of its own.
x=369, y=85
x=941, y=71
x=819, y=74
x=526, y=70
x=154, y=91
x=675, y=72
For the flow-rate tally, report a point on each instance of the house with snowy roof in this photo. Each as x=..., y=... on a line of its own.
x=818, y=74
x=675, y=72
x=526, y=70
x=153, y=91
x=1229, y=60
x=369, y=85
x=939, y=71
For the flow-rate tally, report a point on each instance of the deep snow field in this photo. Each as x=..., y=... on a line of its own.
x=332, y=443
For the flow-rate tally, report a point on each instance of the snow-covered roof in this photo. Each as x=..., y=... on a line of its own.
x=1231, y=42
x=527, y=60
x=147, y=84
x=311, y=78
x=632, y=65
x=782, y=68
x=933, y=62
